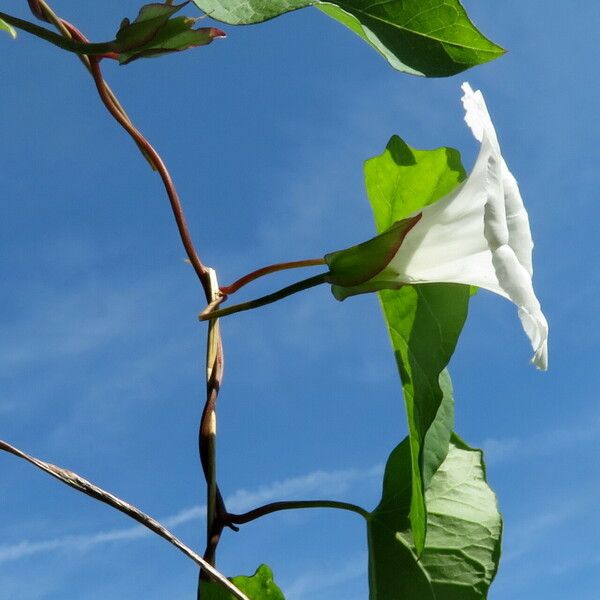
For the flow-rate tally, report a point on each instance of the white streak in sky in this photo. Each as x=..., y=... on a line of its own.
x=326, y=483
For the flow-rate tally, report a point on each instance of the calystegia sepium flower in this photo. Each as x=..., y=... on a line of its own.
x=476, y=235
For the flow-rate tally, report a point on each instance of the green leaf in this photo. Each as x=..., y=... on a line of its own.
x=403, y=180
x=151, y=18
x=434, y=38
x=461, y=556
x=424, y=324
x=154, y=33
x=259, y=586
x=8, y=28
x=424, y=321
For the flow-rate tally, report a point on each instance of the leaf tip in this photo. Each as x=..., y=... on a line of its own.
x=9, y=29
x=216, y=33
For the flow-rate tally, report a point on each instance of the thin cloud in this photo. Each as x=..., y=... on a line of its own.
x=325, y=482
x=321, y=579
x=526, y=536
x=585, y=430
x=318, y=482
x=81, y=321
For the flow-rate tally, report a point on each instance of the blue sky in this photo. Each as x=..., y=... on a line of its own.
x=101, y=353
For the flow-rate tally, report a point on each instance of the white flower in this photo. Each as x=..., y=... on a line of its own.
x=477, y=235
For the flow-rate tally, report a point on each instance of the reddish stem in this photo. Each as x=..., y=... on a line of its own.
x=242, y=281
x=160, y=167
x=36, y=10
x=154, y=157
x=213, y=384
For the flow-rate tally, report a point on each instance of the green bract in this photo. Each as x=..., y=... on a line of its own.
x=259, y=586
x=434, y=38
x=354, y=266
x=400, y=182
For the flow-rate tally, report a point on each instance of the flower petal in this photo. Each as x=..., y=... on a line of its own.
x=477, y=235
x=518, y=220
x=509, y=234
x=477, y=116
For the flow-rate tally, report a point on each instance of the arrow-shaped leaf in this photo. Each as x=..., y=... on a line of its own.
x=423, y=37
x=424, y=321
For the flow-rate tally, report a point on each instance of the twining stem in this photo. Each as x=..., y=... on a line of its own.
x=217, y=515
x=174, y=199
x=118, y=114
x=246, y=279
x=207, y=429
x=83, y=485
x=267, y=509
x=41, y=10
x=305, y=284
x=58, y=40
x=207, y=439
x=37, y=10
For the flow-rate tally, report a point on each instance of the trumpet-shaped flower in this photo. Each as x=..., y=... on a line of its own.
x=477, y=235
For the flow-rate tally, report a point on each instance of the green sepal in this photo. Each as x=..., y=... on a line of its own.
x=358, y=264
x=8, y=28
x=259, y=586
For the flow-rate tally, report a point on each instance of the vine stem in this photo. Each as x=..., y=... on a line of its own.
x=305, y=284
x=267, y=509
x=83, y=485
x=207, y=430
x=207, y=439
x=217, y=516
x=77, y=46
x=207, y=278
x=160, y=166
x=43, y=11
